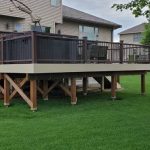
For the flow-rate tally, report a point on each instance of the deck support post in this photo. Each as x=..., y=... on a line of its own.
x=73, y=91
x=33, y=94
x=6, y=92
x=66, y=83
x=45, y=89
x=113, y=87
x=85, y=85
x=103, y=84
x=143, y=84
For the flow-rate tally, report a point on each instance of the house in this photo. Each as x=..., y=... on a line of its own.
x=133, y=35
x=32, y=64
x=61, y=19
x=81, y=24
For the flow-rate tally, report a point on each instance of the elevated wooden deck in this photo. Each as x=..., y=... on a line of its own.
x=53, y=60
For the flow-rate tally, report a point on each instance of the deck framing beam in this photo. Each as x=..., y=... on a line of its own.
x=31, y=101
x=6, y=92
x=45, y=88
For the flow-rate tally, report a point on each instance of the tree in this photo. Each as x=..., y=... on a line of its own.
x=146, y=35
x=138, y=8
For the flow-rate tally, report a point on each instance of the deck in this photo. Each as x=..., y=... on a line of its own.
x=54, y=59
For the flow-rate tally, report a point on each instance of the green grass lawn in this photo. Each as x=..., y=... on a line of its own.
x=96, y=123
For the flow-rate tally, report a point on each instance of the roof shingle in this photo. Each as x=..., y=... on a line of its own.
x=76, y=15
x=136, y=29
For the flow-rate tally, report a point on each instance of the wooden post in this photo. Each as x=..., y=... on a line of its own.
x=66, y=83
x=103, y=84
x=33, y=94
x=113, y=87
x=143, y=84
x=6, y=92
x=85, y=85
x=45, y=89
x=73, y=91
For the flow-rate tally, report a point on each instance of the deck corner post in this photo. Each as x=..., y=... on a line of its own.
x=113, y=87
x=143, y=84
x=73, y=92
x=6, y=92
x=85, y=85
x=33, y=94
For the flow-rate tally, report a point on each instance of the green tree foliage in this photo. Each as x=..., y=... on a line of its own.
x=146, y=35
x=137, y=7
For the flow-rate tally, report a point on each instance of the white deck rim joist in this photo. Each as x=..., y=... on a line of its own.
x=71, y=68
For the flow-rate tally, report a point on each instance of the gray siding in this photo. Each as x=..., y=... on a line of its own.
x=3, y=24
x=128, y=38
x=72, y=28
x=42, y=8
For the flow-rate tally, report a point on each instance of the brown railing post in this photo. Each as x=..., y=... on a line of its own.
x=85, y=49
x=121, y=52
x=34, y=47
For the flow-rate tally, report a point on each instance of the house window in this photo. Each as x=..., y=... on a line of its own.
x=87, y=31
x=55, y=3
x=137, y=37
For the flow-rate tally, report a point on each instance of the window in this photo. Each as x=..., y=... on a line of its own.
x=18, y=27
x=55, y=3
x=137, y=37
x=90, y=32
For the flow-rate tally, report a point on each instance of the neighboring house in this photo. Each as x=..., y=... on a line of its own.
x=61, y=19
x=133, y=35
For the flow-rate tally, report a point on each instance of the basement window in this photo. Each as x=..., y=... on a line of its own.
x=56, y=3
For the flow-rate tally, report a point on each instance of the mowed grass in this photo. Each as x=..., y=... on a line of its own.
x=96, y=123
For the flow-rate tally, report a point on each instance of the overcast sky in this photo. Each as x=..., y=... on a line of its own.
x=102, y=8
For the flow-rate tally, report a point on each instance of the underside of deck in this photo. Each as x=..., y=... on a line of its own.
x=41, y=79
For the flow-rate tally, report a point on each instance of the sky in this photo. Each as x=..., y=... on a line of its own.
x=102, y=9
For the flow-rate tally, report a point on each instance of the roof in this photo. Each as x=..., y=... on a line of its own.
x=79, y=16
x=136, y=29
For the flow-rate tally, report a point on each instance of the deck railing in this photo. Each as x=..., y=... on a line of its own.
x=34, y=47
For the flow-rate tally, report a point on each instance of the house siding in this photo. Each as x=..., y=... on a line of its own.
x=128, y=38
x=72, y=28
x=3, y=23
x=68, y=28
x=49, y=14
